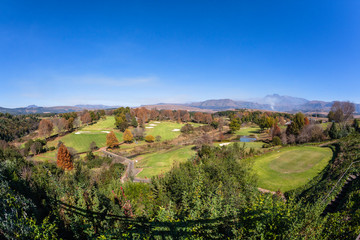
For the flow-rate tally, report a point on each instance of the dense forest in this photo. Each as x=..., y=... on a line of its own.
x=12, y=127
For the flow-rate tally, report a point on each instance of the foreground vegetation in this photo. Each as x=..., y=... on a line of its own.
x=210, y=193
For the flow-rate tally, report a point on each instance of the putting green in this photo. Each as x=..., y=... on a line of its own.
x=292, y=167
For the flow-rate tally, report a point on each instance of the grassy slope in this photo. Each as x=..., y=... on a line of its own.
x=289, y=168
x=81, y=142
x=164, y=129
x=247, y=131
x=156, y=163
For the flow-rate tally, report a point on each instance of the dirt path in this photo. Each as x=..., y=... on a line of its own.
x=273, y=193
x=130, y=166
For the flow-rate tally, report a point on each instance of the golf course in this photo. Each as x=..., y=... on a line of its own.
x=160, y=162
x=291, y=167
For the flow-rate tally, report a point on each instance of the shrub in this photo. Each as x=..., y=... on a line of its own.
x=187, y=128
x=276, y=141
x=93, y=146
x=149, y=138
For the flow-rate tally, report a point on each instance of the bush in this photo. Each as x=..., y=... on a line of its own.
x=96, y=161
x=149, y=138
x=187, y=128
x=93, y=146
x=276, y=141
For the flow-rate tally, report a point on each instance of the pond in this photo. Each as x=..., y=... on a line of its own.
x=247, y=139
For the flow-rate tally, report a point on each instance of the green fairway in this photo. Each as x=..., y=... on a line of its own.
x=289, y=168
x=165, y=129
x=247, y=131
x=48, y=156
x=102, y=124
x=81, y=142
x=160, y=162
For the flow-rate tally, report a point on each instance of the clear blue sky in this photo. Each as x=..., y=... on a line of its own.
x=142, y=52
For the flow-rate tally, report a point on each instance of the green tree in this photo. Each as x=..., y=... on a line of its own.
x=356, y=125
x=134, y=123
x=334, y=131
x=121, y=123
x=296, y=125
x=235, y=124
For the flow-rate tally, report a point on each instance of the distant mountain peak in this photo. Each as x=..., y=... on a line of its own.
x=32, y=106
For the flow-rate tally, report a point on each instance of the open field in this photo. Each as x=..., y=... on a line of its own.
x=102, y=124
x=247, y=131
x=160, y=162
x=48, y=156
x=289, y=168
x=165, y=129
x=81, y=142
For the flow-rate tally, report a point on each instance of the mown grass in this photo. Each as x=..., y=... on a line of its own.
x=160, y=162
x=288, y=168
x=81, y=142
x=102, y=124
x=164, y=129
x=247, y=131
x=48, y=156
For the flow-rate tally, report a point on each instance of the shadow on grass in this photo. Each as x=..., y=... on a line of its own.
x=142, y=227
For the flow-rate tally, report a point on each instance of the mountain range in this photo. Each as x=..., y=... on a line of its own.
x=272, y=102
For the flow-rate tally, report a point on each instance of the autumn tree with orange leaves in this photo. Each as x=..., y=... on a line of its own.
x=64, y=159
x=111, y=140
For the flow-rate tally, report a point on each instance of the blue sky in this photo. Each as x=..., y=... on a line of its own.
x=144, y=52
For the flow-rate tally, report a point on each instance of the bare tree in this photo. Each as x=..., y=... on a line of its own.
x=60, y=124
x=341, y=112
x=45, y=127
x=86, y=118
x=138, y=133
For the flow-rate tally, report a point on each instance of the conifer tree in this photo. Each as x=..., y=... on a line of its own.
x=64, y=159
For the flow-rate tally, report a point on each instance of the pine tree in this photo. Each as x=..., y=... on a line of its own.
x=128, y=137
x=333, y=132
x=111, y=140
x=64, y=159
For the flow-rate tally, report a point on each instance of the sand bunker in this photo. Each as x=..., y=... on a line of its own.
x=149, y=127
x=175, y=130
x=223, y=144
x=153, y=125
x=157, y=122
x=105, y=131
x=81, y=132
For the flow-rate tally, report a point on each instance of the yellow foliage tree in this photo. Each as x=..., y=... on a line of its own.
x=111, y=140
x=128, y=136
x=149, y=138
